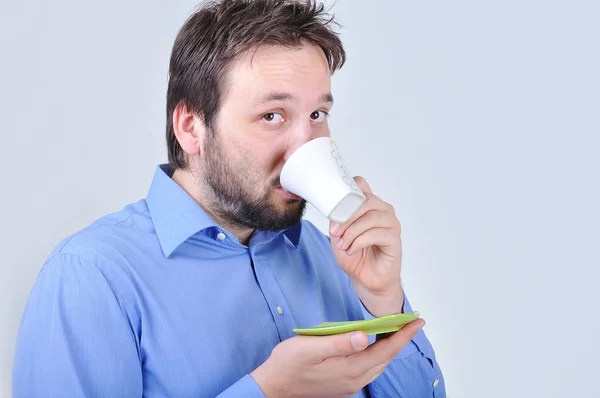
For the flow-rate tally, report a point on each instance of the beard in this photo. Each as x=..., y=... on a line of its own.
x=235, y=186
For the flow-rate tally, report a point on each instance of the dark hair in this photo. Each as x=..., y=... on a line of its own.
x=219, y=32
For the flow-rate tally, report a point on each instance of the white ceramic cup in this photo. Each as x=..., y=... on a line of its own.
x=316, y=173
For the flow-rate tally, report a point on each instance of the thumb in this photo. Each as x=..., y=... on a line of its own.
x=344, y=344
x=403, y=336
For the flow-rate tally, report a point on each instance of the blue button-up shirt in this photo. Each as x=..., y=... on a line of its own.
x=158, y=300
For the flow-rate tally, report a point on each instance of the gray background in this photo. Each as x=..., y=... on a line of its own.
x=477, y=120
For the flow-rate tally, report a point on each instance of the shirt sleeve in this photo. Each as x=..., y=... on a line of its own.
x=75, y=338
x=244, y=387
x=414, y=372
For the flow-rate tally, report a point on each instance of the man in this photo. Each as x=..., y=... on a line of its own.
x=194, y=290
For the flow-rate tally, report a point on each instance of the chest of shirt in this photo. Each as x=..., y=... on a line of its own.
x=209, y=317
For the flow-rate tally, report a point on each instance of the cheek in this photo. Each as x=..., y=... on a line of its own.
x=269, y=155
x=260, y=168
x=323, y=132
x=256, y=164
x=263, y=156
x=272, y=162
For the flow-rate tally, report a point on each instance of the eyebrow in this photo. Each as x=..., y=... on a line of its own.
x=280, y=97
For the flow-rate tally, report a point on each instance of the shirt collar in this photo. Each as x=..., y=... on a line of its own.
x=177, y=216
x=293, y=234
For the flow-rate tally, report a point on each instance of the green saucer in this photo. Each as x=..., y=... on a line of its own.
x=384, y=324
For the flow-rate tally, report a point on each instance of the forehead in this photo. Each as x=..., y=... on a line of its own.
x=303, y=71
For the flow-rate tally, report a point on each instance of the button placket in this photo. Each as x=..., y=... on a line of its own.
x=284, y=321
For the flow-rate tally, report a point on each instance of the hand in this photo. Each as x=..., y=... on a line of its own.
x=329, y=366
x=368, y=247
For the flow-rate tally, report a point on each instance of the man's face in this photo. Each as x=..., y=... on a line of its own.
x=274, y=100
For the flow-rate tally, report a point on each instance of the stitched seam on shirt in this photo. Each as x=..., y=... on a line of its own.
x=112, y=286
x=83, y=231
x=429, y=354
x=124, y=311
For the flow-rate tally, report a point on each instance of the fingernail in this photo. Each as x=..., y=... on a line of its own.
x=335, y=228
x=340, y=243
x=421, y=323
x=358, y=340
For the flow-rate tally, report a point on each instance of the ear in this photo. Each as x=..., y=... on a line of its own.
x=189, y=129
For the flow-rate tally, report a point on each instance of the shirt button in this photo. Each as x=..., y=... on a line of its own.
x=221, y=236
x=435, y=383
x=279, y=310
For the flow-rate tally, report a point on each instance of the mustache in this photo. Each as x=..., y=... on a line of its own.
x=276, y=182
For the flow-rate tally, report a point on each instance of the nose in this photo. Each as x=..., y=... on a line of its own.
x=301, y=134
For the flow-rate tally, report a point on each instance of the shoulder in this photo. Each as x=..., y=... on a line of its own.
x=101, y=254
x=108, y=238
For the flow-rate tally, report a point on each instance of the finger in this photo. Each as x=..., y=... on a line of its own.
x=385, y=239
x=383, y=351
x=337, y=345
x=373, y=219
x=366, y=190
x=374, y=373
x=363, y=185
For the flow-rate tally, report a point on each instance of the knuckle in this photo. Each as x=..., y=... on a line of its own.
x=353, y=385
x=353, y=373
x=349, y=389
x=278, y=351
x=388, y=234
x=338, y=347
x=391, y=208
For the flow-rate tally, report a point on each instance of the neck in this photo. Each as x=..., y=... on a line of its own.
x=205, y=199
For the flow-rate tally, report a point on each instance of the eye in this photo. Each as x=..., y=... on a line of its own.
x=318, y=116
x=273, y=118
